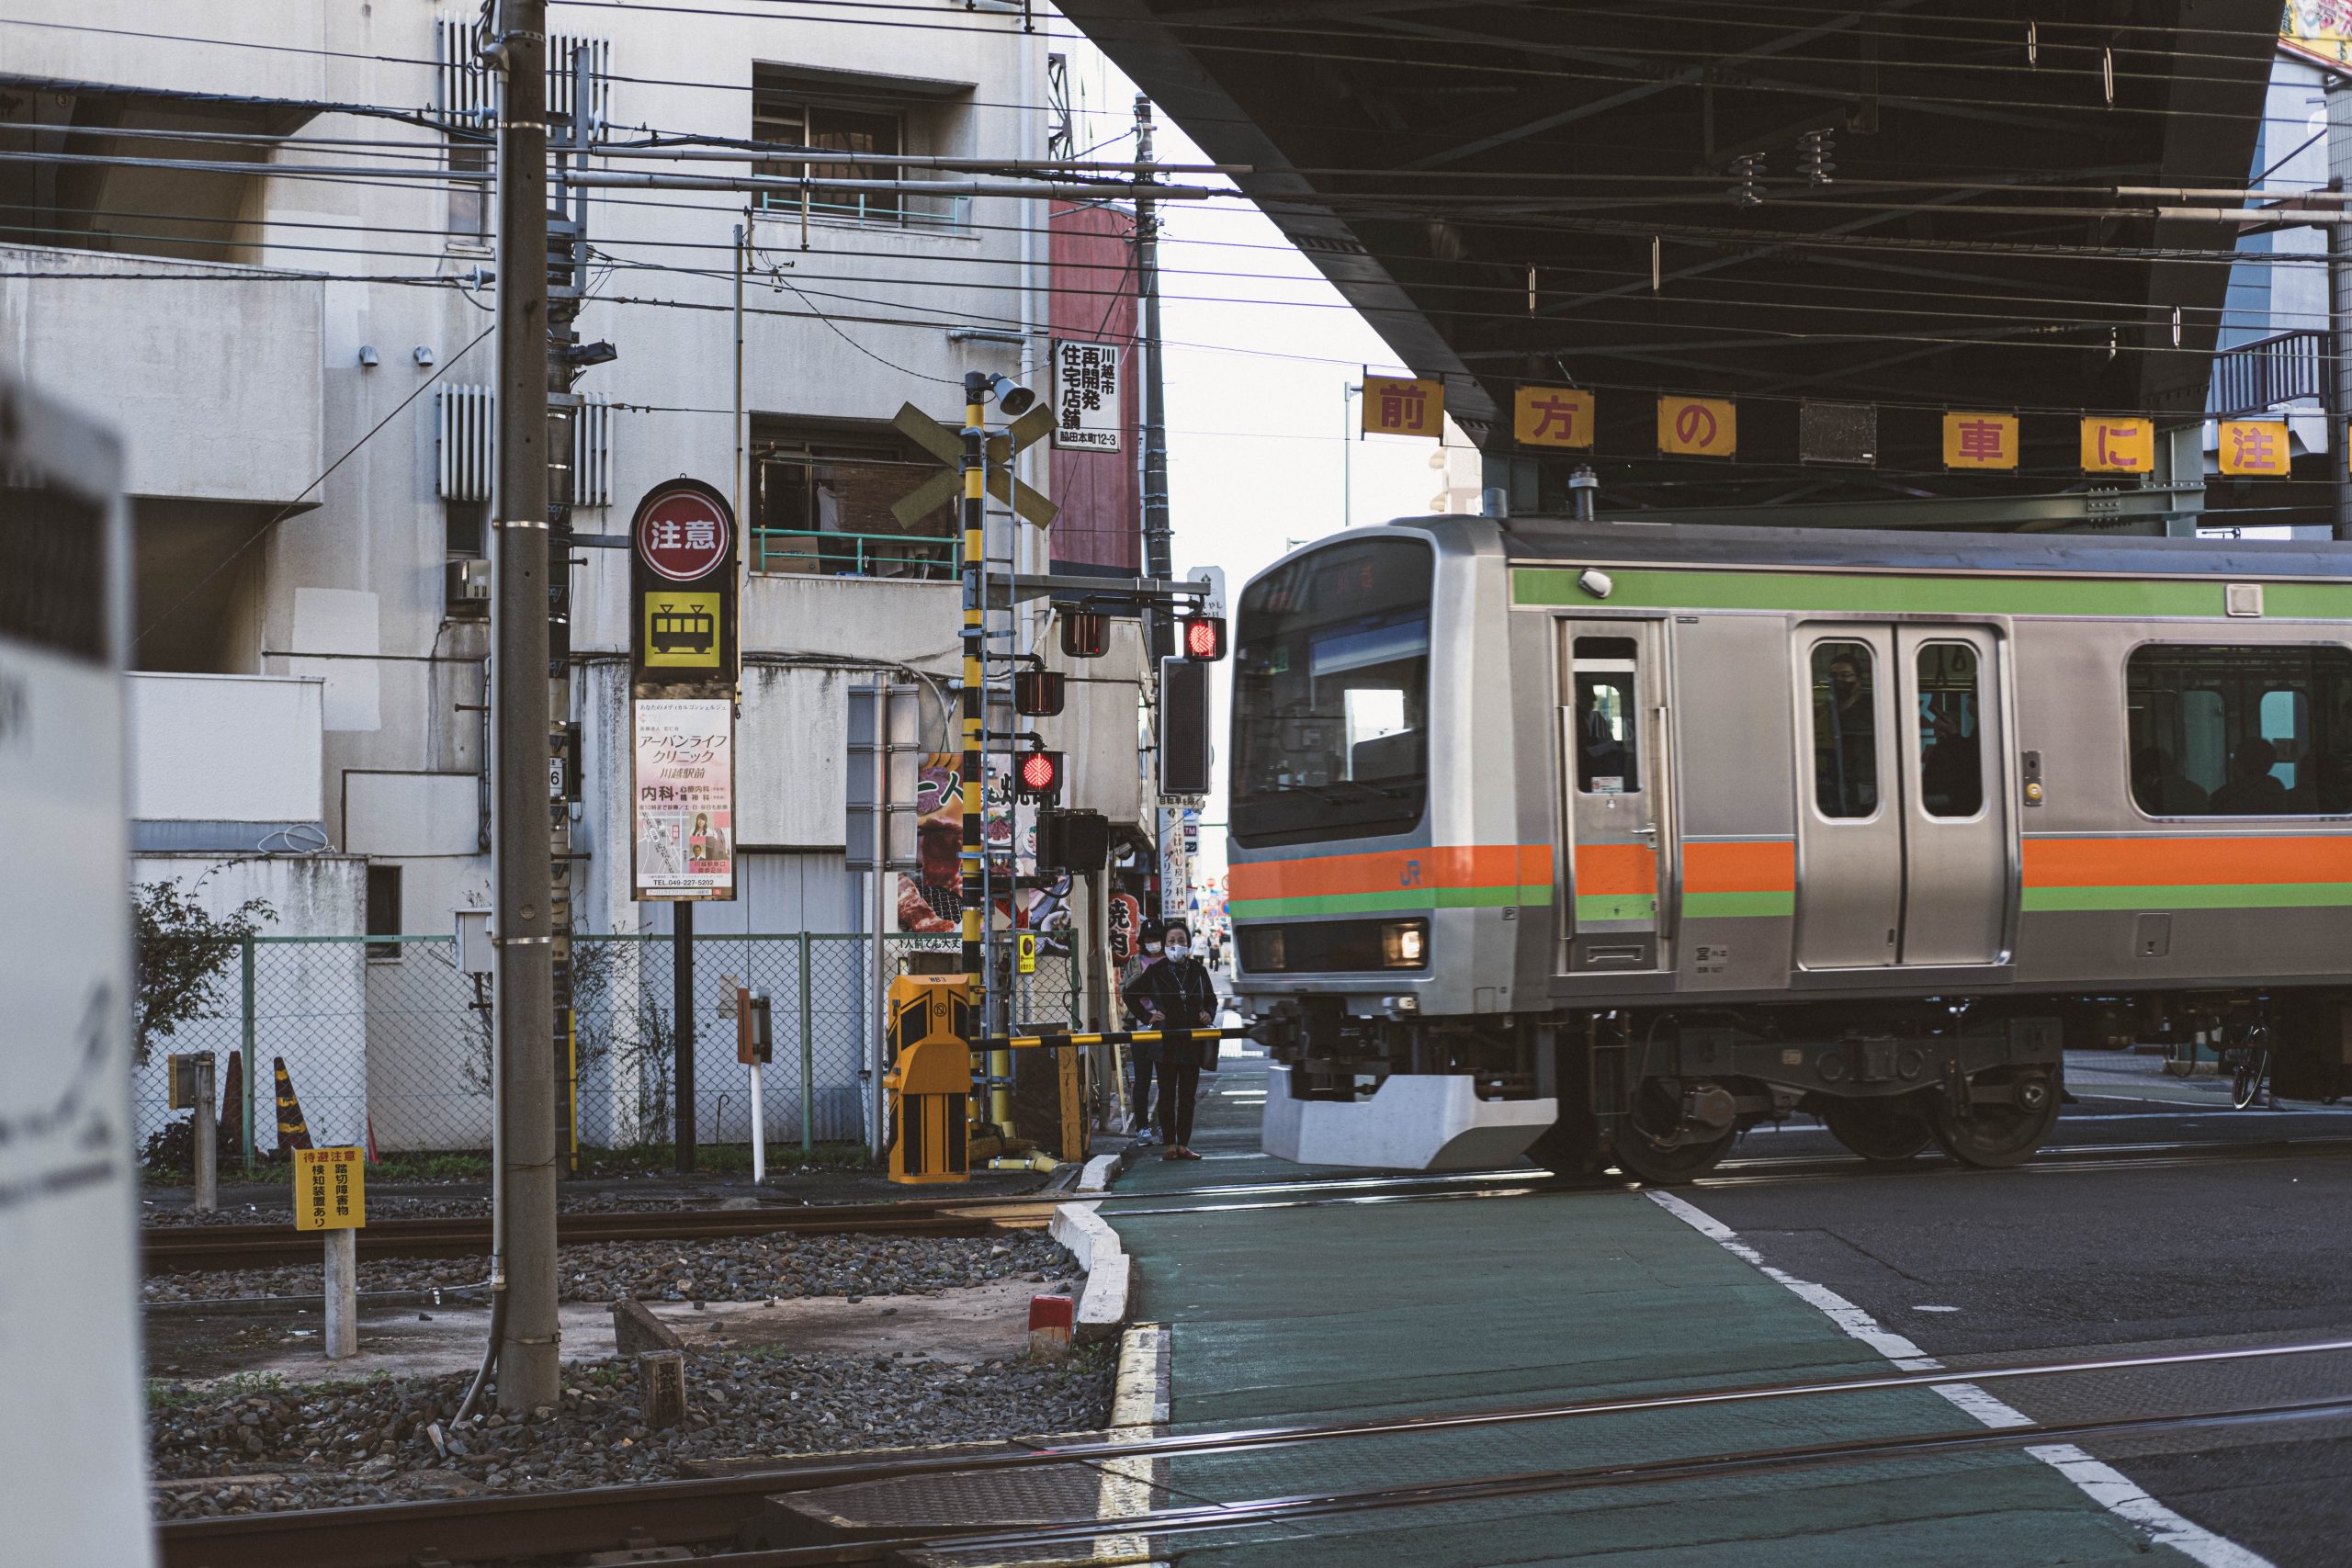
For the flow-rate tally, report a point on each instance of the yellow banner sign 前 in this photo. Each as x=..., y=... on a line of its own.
x=1402, y=405
x=330, y=1189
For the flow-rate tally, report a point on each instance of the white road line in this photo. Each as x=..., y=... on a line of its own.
x=2105, y=1485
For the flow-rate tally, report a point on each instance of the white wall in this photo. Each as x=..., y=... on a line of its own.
x=225, y=748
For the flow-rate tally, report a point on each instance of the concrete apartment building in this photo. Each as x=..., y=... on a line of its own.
x=308, y=706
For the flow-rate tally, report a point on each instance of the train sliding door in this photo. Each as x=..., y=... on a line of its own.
x=1611, y=732
x=1902, y=849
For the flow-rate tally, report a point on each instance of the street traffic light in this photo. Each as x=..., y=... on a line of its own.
x=1203, y=638
x=1038, y=775
x=1072, y=841
x=1037, y=693
x=1184, y=744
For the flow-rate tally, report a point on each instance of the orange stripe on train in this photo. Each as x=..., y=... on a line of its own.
x=2166, y=861
x=1758, y=867
x=1615, y=870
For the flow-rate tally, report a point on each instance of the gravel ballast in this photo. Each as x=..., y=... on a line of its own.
x=236, y=1450
x=728, y=1269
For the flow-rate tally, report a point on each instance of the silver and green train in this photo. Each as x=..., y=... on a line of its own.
x=1605, y=842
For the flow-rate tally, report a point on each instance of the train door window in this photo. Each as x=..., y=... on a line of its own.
x=1607, y=717
x=2240, y=731
x=1951, y=753
x=1845, y=730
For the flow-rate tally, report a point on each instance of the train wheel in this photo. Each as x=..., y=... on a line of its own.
x=1999, y=1136
x=1643, y=1160
x=1886, y=1131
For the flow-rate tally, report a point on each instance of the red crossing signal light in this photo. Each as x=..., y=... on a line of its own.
x=1203, y=638
x=1038, y=775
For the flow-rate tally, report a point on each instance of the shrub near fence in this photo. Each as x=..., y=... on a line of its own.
x=384, y=1034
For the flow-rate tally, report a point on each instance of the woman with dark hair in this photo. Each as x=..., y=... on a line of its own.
x=1143, y=1057
x=1176, y=995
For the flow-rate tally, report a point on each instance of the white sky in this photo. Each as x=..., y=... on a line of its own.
x=1259, y=350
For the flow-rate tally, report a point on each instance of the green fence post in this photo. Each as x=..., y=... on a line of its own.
x=807, y=1059
x=247, y=1008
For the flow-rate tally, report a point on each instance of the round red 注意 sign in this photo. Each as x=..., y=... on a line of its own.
x=682, y=535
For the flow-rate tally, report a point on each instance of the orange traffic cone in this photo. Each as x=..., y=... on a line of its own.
x=293, y=1128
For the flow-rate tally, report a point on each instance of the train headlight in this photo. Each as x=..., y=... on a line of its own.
x=1404, y=944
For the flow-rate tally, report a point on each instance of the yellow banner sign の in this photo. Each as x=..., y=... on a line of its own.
x=1698, y=427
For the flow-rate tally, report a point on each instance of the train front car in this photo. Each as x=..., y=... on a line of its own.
x=1387, y=896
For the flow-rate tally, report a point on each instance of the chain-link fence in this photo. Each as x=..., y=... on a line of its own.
x=384, y=1041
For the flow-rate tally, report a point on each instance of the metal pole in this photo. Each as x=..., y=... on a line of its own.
x=681, y=1030
x=876, y=1040
x=808, y=1057
x=528, y=1370
x=2339, y=374
x=973, y=464
x=206, y=1177
x=742, y=264
x=1157, y=553
x=246, y=987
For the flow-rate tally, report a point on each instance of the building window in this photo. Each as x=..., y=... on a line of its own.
x=824, y=504
x=383, y=910
x=785, y=112
x=463, y=524
x=2240, y=731
x=468, y=199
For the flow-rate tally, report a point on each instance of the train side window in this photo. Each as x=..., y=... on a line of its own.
x=2244, y=732
x=1952, y=757
x=1607, y=716
x=1845, y=730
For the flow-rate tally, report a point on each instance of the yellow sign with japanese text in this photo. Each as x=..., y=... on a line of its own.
x=1404, y=405
x=1980, y=441
x=2119, y=445
x=330, y=1189
x=1697, y=427
x=1553, y=416
x=2254, y=447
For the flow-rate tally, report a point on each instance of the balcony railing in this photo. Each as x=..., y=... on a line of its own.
x=2269, y=371
x=810, y=552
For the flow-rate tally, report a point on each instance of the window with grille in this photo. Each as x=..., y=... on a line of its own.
x=786, y=113
x=825, y=504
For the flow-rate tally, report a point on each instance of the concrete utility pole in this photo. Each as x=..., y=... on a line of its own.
x=1156, y=556
x=2337, y=377
x=528, y=1354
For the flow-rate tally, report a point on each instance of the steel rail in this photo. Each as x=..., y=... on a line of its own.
x=702, y=1511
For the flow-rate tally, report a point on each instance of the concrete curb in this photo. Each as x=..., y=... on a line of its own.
x=1100, y=1172
x=1102, y=1306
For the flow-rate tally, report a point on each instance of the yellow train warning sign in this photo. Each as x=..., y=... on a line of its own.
x=330, y=1189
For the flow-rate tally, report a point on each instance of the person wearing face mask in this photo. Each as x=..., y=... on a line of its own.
x=1176, y=994
x=1143, y=1057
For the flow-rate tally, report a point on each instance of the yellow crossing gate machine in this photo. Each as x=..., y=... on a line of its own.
x=930, y=1078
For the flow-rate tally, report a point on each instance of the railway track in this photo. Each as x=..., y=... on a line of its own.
x=712, y=1516
x=195, y=1250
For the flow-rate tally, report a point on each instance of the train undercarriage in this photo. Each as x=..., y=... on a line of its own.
x=1661, y=1094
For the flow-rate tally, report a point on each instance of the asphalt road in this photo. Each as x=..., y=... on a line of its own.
x=2134, y=1260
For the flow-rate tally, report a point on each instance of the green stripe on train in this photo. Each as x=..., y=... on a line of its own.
x=1404, y=899
x=1615, y=907
x=1736, y=906
x=1891, y=594
x=2229, y=896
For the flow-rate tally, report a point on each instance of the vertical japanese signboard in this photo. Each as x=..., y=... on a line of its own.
x=330, y=1189
x=1086, y=395
x=684, y=659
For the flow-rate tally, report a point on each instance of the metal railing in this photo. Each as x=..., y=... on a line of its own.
x=394, y=1053
x=2269, y=371
x=820, y=553
x=822, y=204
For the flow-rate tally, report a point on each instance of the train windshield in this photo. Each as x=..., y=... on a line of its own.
x=1330, y=696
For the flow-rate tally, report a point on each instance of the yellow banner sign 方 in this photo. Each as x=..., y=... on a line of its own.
x=1553, y=416
x=330, y=1189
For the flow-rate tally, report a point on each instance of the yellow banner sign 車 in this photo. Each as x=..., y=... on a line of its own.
x=1404, y=405
x=1980, y=441
x=1553, y=416
x=2254, y=447
x=330, y=1189
x=1697, y=427
x=2119, y=445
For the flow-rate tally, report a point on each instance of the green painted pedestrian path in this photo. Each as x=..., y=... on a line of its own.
x=1305, y=1313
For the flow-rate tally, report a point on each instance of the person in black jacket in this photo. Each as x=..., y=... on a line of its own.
x=1176, y=994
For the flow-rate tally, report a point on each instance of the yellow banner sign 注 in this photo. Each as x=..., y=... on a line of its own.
x=1980, y=441
x=1698, y=427
x=1553, y=416
x=1404, y=405
x=2254, y=447
x=682, y=631
x=330, y=1189
x=2119, y=445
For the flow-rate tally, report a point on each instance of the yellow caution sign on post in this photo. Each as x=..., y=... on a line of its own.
x=1024, y=950
x=330, y=1189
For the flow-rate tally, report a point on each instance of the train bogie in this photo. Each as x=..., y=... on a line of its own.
x=1614, y=840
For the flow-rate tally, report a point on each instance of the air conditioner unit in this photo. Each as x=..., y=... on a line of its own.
x=466, y=593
